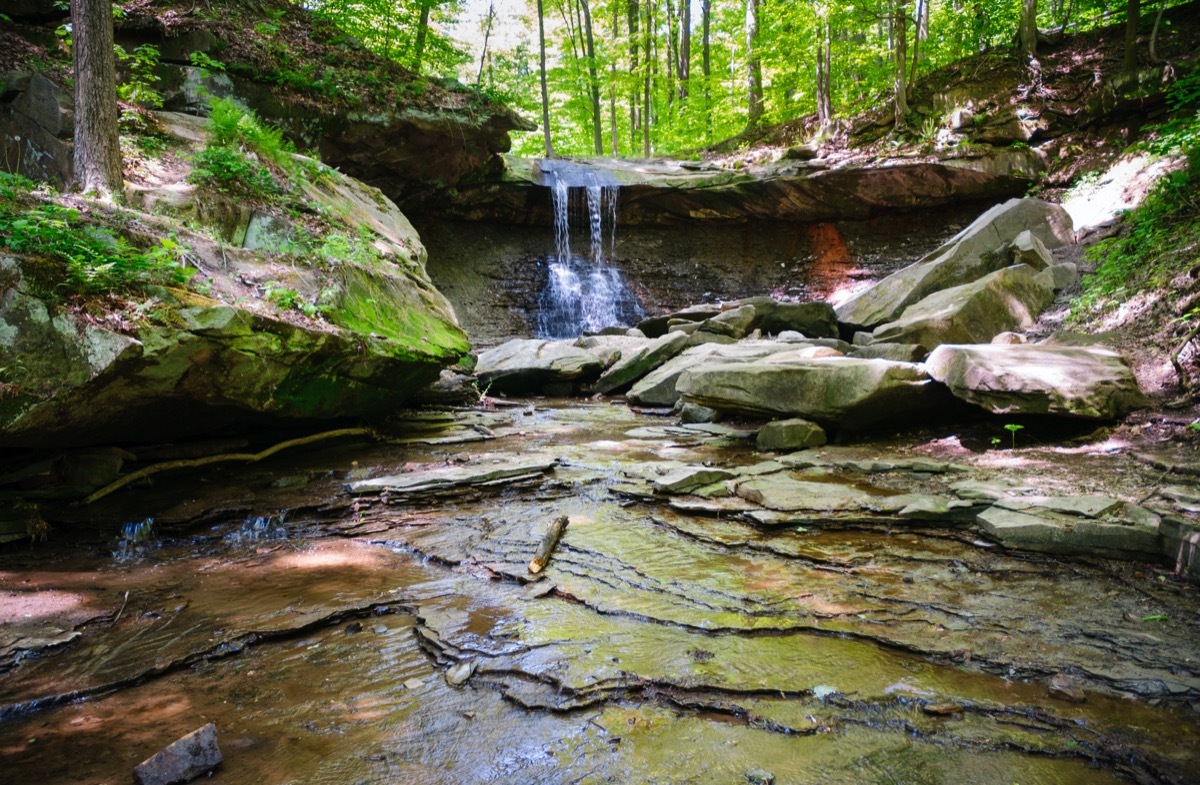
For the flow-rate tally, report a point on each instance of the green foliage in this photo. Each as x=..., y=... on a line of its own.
x=1012, y=428
x=80, y=258
x=238, y=142
x=392, y=28
x=228, y=170
x=202, y=60
x=141, y=88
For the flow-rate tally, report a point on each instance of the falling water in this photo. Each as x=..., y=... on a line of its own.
x=583, y=293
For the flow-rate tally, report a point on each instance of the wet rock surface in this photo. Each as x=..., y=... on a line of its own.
x=833, y=614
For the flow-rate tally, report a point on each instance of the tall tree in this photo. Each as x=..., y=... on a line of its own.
x=824, y=60
x=1028, y=33
x=1133, y=16
x=593, y=79
x=635, y=97
x=706, y=63
x=487, y=34
x=685, y=47
x=754, y=78
x=422, y=32
x=545, y=91
x=97, y=141
x=899, y=22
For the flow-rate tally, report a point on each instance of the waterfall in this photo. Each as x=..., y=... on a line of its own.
x=583, y=293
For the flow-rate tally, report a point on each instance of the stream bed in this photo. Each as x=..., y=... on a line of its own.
x=360, y=612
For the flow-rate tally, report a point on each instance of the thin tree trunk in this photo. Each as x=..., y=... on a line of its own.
x=685, y=47
x=754, y=86
x=706, y=64
x=672, y=53
x=1133, y=16
x=824, y=61
x=922, y=31
x=900, y=45
x=487, y=34
x=422, y=31
x=97, y=141
x=612, y=84
x=1029, y=30
x=1154, y=58
x=635, y=98
x=545, y=92
x=647, y=80
x=593, y=80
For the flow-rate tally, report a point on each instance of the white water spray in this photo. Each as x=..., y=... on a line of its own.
x=583, y=294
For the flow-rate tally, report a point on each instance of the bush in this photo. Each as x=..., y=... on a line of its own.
x=230, y=171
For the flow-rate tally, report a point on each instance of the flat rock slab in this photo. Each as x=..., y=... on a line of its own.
x=690, y=479
x=836, y=391
x=1070, y=536
x=183, y=761
x=454, y=476
x=1081, y=506
x=527, y=365
x=786, y=494
x=1074, y=381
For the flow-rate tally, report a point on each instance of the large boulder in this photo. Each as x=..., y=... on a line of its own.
x=1074, y=381
x=525, y=365
x=636, y=364
x=987, y=245
x=1007, y=299
x=658, y=387
x=841, y=392
x=37, y=121
x=814, y=319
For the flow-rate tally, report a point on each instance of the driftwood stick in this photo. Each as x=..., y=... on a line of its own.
x=553, y=534
x=244, y=457
x=118, y=616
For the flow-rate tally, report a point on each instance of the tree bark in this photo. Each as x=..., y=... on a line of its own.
x=1133, y=16
x=545, y=92
x=647, y=79
x=422, y=31
x=1154, y=58
x=97, y=140
x=612, y=83
x=900, y=45
x=824, y=72
x=1028, y=30
x=706, y=63
x=635, y=97
x=685, y=47
x=487, y=34
x=593, y=80
x=754, y=86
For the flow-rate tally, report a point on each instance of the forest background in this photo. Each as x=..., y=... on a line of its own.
x=671, y=77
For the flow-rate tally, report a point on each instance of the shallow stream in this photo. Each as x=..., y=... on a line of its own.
x=320, y=631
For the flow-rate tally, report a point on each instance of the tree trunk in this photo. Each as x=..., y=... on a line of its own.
x=824, y=81
x=422, y=31
x=487, y=34
x=612, y=84
x=900, y=46
x=545, y=92
x=685, y=47
x=706, y=64
x=1029, y=30
x=754, y=86
x=593, y=80
x=635, y=96
x=1154, y=58
x=647, y=80
x=922, y=32
x=97, y=142
x=672, y=52
x=1133, y=15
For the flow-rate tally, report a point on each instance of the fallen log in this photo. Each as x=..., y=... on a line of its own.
x=551, y=538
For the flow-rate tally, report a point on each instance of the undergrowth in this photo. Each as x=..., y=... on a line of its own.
x=233, y=160
x=1161, y=238
x=74, y=256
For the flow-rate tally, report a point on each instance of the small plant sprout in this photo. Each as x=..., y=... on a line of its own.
x=1012, y=428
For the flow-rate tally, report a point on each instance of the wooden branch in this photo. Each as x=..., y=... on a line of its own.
x=553, y=534
x=224, y=457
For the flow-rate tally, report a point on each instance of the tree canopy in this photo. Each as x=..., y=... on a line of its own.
x=643, y=77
